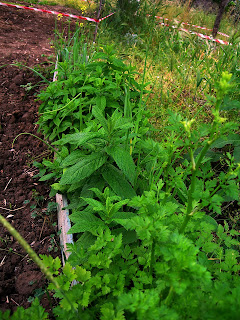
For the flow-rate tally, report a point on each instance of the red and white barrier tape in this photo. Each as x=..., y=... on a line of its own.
x=192, y=25
x=204, y=28
x=54, y=12
x=109, y=15
x=207, y=37
x=203, y=36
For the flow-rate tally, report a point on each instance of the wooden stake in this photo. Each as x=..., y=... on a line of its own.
x=98, y=16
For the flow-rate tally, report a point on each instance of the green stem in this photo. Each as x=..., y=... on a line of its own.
x=169, y=296
x=218, y=104
x=152, y=257
x=32, y=254
x=33, y=70
x=11, y=251
x=56, y=110
x=195, y=167
x=141, y=107
x=33, y=135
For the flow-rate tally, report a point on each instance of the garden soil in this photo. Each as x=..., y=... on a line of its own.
x=25, y=38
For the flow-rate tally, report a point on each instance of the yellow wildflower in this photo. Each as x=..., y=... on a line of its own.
x=59, y=16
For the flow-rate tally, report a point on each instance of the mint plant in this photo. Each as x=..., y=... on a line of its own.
x=102, y=82
x=148, y=241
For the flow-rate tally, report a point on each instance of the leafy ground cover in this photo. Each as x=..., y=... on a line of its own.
x=146, y=207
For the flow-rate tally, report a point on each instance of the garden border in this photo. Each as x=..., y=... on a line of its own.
x=55, y=12
x=64, y=223
x=203, y=36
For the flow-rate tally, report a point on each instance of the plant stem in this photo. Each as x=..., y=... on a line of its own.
x=195, y=167
x=33, y=70
x=32, y=254
x=55, y=110
x=152, y=257
x=33, y=135
x=169, y=296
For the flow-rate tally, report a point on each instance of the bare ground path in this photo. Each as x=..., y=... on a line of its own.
x=25, y=37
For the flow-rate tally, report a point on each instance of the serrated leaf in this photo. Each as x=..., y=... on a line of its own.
x=77, y=215
x=83, y=227
x=225, y=140
x=101, y=103
x=124, y=161
x=78, y=138
x=86, y=240
x=123, y=215
x=232, y=190
x=69, y=271
x=117, y=206
x=72, y=158
x=53, y=264
x=82, y=274
x=85, y=299
x=84, y=168
x=85, y=221
x=100, y=117
x=118, y=182
x=48, y=176
x=96, y=205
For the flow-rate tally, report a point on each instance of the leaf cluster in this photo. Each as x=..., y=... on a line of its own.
x=103, y=81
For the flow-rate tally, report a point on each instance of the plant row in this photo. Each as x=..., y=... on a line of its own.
x=151, y=239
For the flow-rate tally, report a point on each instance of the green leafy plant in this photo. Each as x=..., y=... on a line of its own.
x=149, y=243
x=67, y=104
x=116, y=280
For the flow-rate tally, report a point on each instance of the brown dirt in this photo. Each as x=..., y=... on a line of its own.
x=25, y=38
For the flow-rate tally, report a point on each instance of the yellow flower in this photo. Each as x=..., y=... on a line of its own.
x=83, y=9
x=80, y=24
x=59, y=16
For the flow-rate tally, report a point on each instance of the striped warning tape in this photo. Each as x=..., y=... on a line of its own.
x=203, y=36
x=192, y=25
x=109, y=15
x=54, y=12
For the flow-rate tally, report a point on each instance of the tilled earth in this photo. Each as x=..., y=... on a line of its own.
x=25, y=37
